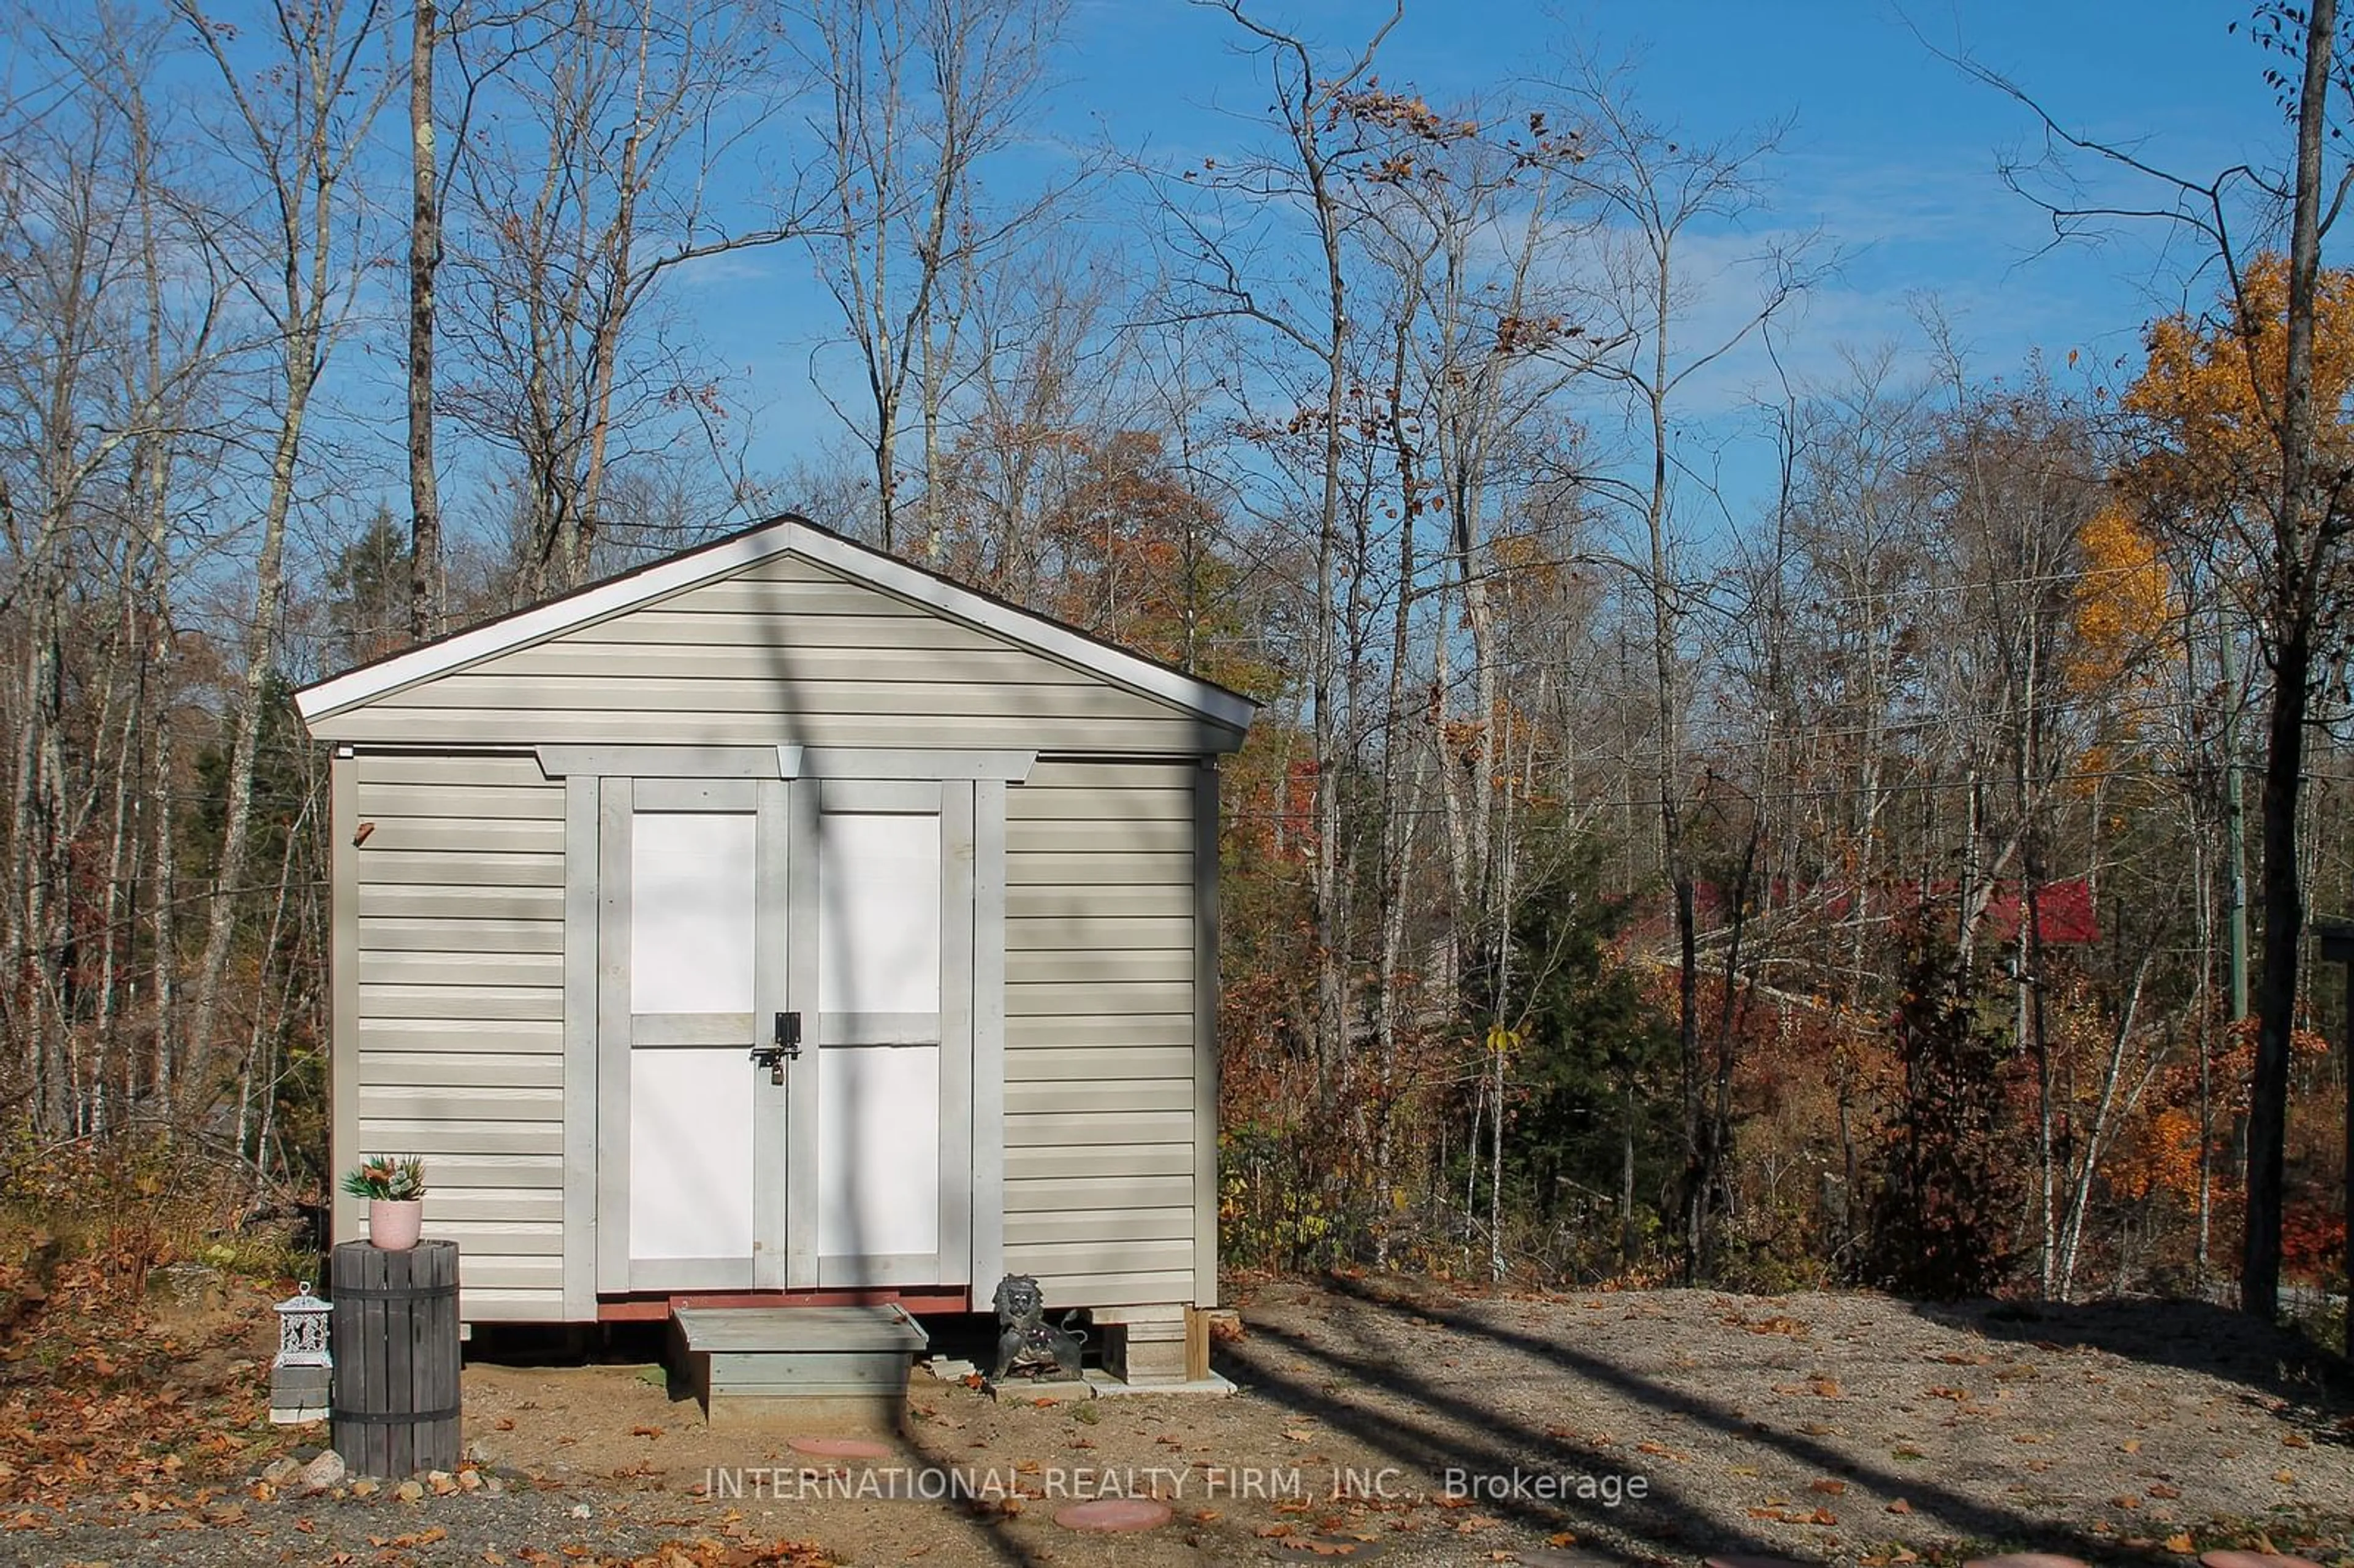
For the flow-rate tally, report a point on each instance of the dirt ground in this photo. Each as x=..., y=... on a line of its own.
x=1392, y=1422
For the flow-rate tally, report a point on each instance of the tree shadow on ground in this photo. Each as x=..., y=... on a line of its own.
x=2277, y=1366
x=1450, y=1428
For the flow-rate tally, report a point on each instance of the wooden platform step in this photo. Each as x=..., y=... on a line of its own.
x=845, y=1365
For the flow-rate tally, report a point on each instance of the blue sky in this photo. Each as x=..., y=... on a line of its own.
x=1890, y=152
x=1890, y=149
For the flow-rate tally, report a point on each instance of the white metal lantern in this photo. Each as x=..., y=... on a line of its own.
x=302, y=1330
x=301, y=1377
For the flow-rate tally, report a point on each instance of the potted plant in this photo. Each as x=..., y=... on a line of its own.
x=395, y=1190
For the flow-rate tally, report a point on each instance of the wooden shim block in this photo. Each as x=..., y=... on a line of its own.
x=1153, y=1360
x=1197, y=1345
x=1155, y=1329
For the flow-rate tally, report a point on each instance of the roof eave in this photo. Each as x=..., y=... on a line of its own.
x=323, y=700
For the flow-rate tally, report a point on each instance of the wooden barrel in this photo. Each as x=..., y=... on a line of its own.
x=396, y=1349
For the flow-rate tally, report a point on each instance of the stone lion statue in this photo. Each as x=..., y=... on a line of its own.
x=1027, y=1342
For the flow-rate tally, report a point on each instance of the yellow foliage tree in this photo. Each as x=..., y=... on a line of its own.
x=2250, y=459
x=2124, y=600
x=2209, y=398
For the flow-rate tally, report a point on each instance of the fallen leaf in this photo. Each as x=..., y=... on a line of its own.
x=2179, y=1544
x=1900, y=1506
x=1828, y=1488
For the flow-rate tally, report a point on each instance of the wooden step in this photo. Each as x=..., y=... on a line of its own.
x=834, y=1365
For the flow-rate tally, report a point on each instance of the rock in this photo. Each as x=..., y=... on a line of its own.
x=442, y=1482
x=580, y=1510
x=409, y=1491
x=493, y=1484
x=469, y=1480
x=326, y=1470
x=183, y=1287
x=480, y=1453
x=363, y=1488
x=281, y=1470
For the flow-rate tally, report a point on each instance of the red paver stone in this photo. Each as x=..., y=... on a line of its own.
x=1114, y=1513
x=2025, y=1560
x=838, y=1447
x=2254, y=1560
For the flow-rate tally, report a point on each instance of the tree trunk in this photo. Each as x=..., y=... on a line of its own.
x=426, y=590
x=2296, y=587
x=253, y=695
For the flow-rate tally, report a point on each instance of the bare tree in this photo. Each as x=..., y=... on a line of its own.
x=1471, y=224
x=1215, y=216
x=428, y=585
x=915, y=96
x=297, y=135
x=619, y=113
x=1662, y=190
x=112, y=321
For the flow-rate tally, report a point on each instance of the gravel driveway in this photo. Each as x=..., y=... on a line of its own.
x=1398, y=1422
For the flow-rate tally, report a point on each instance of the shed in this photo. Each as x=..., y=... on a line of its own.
x=778, y=923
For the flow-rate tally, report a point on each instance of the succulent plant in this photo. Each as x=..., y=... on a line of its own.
x=383, y=1176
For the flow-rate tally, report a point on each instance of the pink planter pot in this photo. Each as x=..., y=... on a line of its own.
x=393, y=1224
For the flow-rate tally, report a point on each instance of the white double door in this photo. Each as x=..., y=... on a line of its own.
x=784, y=1033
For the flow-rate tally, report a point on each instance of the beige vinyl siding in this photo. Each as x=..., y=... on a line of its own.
x=785, y=652
x=1099, y=1035
x=460, y=904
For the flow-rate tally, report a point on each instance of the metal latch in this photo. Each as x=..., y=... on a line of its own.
x=787, y=1044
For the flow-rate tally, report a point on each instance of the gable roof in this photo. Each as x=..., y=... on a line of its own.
x=786, y=535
